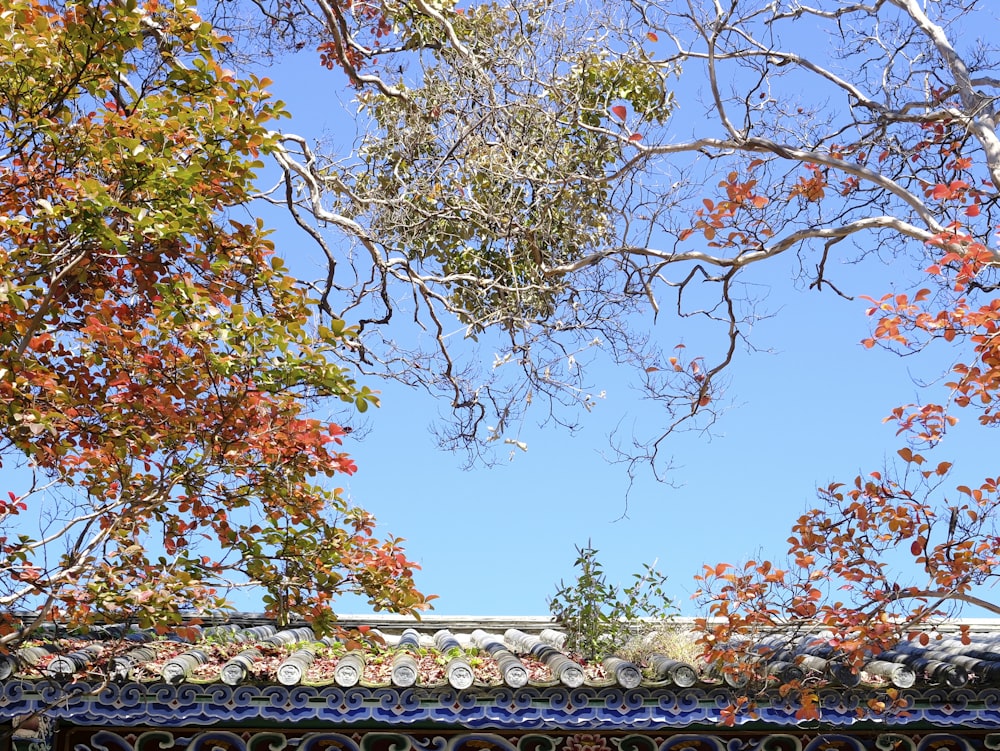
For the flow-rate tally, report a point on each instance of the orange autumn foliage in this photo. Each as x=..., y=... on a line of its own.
x=158, y=365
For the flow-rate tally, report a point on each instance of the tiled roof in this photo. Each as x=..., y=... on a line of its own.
x=479, y=672
x=460, y=653
x=234, y=654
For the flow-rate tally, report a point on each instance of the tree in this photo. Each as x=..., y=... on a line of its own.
x=527, y=174
x=911, y=161
x=540, y=179
x=158, y=364
x=492, y=168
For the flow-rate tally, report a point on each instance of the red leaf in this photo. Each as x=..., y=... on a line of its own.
x=619, y=111
x=651, y=36
x=635, y=138
x=941, y=191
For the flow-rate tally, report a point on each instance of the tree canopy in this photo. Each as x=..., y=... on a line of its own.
x=547, y=180
x=158, y=363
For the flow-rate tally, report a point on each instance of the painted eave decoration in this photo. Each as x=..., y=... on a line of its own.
x=478, y=674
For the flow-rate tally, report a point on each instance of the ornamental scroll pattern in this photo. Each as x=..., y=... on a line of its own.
x=276, y=740
x=496, y=709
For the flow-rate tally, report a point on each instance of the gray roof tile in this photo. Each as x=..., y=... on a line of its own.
x=454, y=653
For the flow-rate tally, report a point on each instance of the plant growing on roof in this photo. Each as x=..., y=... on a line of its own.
x=599, y=617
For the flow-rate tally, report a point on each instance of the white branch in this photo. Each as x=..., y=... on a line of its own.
x=979, y=116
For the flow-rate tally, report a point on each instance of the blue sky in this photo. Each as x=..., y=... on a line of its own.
x=807, y=410
x=494, y=541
